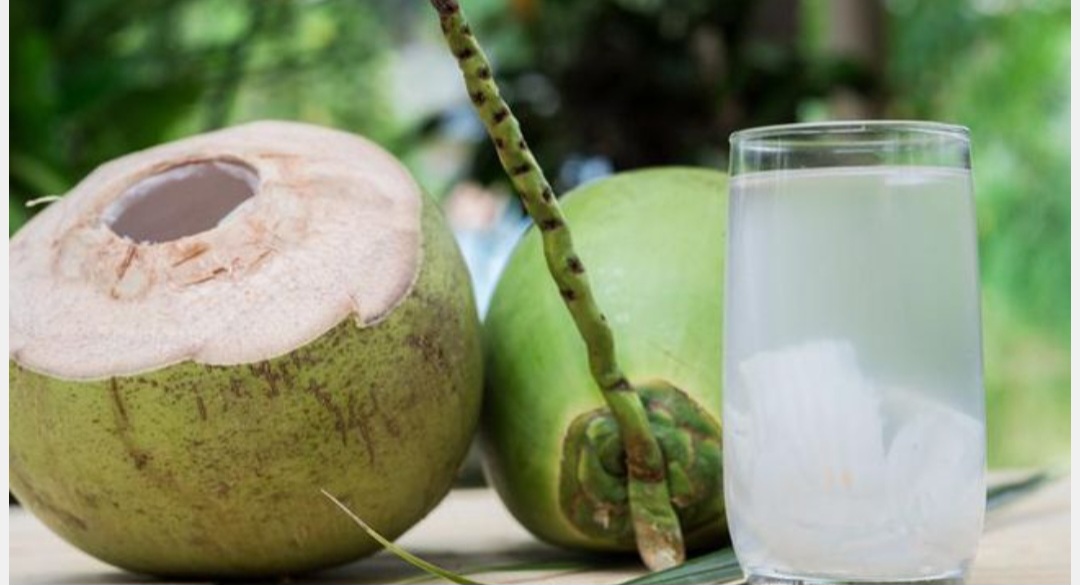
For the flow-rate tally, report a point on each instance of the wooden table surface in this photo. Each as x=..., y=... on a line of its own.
x=1025, y=541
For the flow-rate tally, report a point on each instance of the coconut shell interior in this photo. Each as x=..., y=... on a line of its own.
x=229, y=247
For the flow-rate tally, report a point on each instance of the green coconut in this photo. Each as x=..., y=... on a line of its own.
x=654, y=240
x=206, y=334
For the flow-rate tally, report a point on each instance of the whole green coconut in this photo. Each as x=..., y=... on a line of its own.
x=654, y=242
x=206, y=334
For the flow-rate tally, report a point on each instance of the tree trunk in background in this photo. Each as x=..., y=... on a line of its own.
x=856, y=34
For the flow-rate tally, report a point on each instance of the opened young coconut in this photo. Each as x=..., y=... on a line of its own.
x=206, y=334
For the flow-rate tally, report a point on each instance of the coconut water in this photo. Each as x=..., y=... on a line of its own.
x=853, y=401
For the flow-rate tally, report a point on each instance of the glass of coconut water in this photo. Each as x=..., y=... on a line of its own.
x=854, y=438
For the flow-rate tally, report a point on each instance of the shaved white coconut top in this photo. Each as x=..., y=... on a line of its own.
x=225, y=248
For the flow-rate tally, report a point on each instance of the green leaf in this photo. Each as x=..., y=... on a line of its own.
x=715, y=567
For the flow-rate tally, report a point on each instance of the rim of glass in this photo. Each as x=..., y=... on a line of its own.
x=851, y=128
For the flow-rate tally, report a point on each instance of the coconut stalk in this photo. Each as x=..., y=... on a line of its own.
x=656, y=526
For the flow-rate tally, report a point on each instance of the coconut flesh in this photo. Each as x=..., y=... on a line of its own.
x=205, y=334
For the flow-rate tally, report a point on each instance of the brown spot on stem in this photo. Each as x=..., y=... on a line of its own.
x=484, y=72
x=575, y=265
x=445, y=7
x=478, y=97
x=499, y=143
x=465, y=53
x=567, y=294
x=522, y=145
x=547, y=225
x=500, y=115
x=637, y=464
x=620, y=385
x=547, y=194
x=521, y=169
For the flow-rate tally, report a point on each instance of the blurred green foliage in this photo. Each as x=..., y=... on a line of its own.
x=93, y=80
x=1001, y=67
x=629, y=82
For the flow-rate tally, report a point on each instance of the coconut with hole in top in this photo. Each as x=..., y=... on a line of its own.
x=207, y=333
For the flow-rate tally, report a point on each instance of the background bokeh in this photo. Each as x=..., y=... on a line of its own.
x=600, y=86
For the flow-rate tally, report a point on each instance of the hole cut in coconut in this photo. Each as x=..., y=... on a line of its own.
x=181, y=201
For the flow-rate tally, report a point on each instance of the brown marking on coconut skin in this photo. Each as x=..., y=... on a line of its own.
x=266, y=372
x=430, y=349
x=303, y=357
x=91, y=500
x=360, y=421
x=236, y=387
x=45, y=504
x=201, y=405
x=388, y=421
x=118, y=402
x=139, y=457
x=326, y=401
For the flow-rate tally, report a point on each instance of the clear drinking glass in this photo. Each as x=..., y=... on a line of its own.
x=854, y=426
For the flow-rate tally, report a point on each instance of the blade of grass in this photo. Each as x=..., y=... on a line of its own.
x=401, y=553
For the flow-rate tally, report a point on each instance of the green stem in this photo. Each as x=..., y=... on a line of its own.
x=656, y=527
